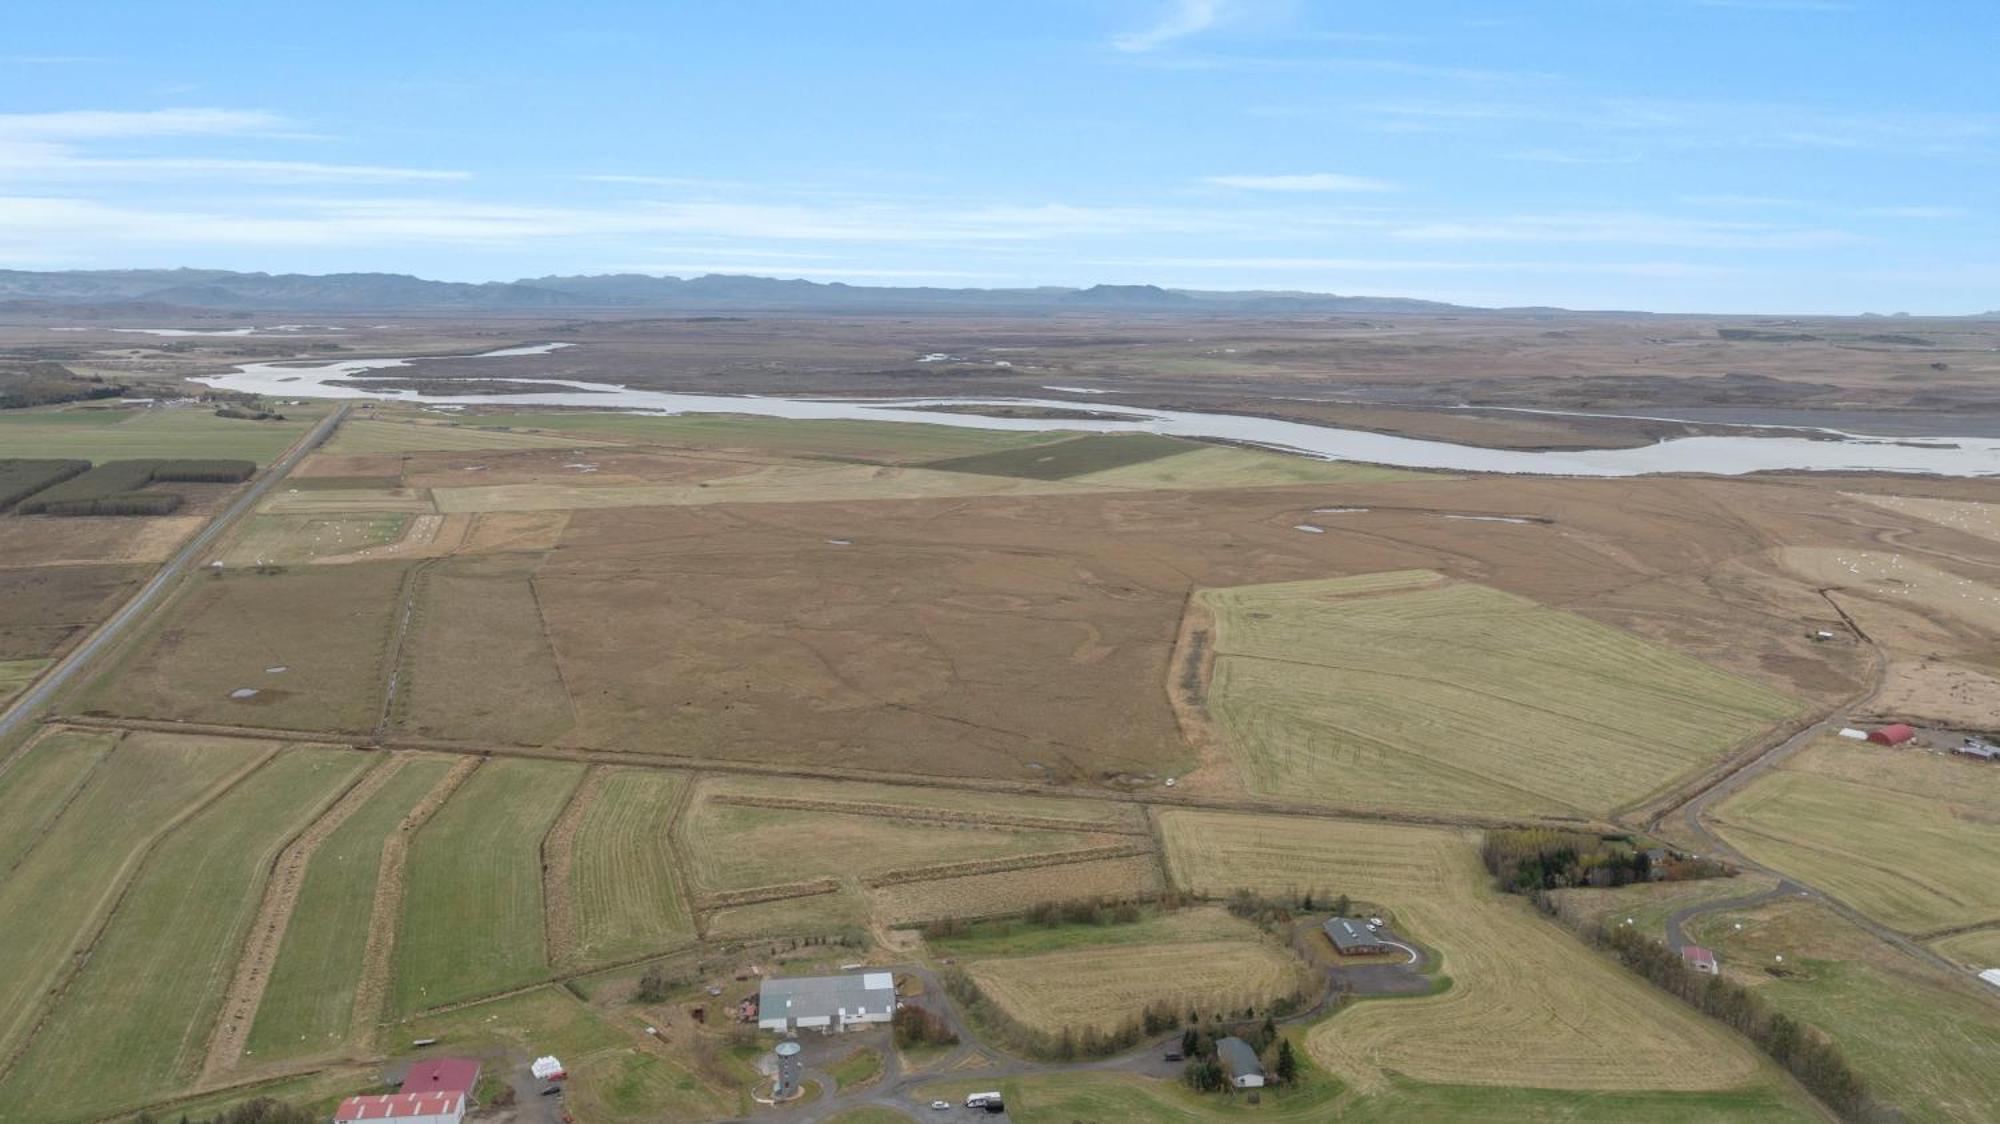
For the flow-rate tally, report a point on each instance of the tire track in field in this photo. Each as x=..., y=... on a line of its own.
x=410, y=596
x=558, y=906
x=127, y=876
x=371, y=990
x=83, y=785
x=231, y=1031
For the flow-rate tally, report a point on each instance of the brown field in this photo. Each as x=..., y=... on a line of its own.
x=45, y=609
x=1105, y=988
x=92, y=540
x=503, y=687
x=994, y=895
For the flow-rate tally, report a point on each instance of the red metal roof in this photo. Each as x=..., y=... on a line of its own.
x=1892, y=735
x=395, y=1106
x=1695, y=954
x=442, y=1075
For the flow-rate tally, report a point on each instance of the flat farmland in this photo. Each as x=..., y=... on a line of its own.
x=365, y=436
x=1978, y=950
x=1908, y=838
x=478, y=665
x=17, y=675
x=1103, y=989
x=308, y=1004
x=36, y=786
x=75, y=864
x=880, y=442
x=93, y=540
x=1074, y=456
x=43, y=609
x=328, y=627
x=1529, y=1006
x=473, y=911
x=202, y=886
x=626, y=892
x=288, y=539
x=1212, y=466
x=1452, y=696
x=1011, y=891
x=130, y=433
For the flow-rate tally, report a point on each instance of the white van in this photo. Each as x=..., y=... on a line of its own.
x=982, y=1100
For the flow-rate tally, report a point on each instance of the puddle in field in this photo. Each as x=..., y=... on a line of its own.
x=1340, y=511
x=840, y=542
x=1309, y=529
x=243, y=693
x=278, y=670
x=1490, y=518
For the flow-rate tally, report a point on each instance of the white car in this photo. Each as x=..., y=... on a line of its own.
x=941, y=1105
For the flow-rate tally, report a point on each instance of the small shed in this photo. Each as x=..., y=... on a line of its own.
x=1236, y=1056
x=1701, y=960
x=1895, y=734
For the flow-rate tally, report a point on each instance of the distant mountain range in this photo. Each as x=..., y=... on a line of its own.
x=156, y=291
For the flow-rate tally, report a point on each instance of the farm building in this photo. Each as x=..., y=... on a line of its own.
x=442, y=1075
x=826, y=1002
x=1701, y=960
x=1236, y=1056
x=1352, y=937
x=1891, y=735
x=404, y=1108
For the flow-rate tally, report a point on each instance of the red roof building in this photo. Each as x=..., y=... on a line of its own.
x=404, y=1108
x=1891, y=735
x=1700, y=959
x=442, y=1075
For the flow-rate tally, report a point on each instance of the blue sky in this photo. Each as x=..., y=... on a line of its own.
x=1676, y=155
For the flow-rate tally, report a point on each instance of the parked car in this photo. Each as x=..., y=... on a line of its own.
x=1173, y=1055
x=941, y=1106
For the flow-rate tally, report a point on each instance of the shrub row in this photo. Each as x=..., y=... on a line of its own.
x=20, y=479
x=113, y=488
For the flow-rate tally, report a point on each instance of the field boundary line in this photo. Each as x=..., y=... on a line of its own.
x=1957, y=930
x=677, y=854
x=409, y=597
x=942, y=871
x=925, y=814
x=1254, y=805
x=83, y=785
x=777, y=892
x=127, y=876
x=557, y=848
x=282, y=885
x=371, y=986
x=556, y=981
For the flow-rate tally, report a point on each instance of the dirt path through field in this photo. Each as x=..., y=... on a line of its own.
x=281, y=895
x=559, y=922
x=371, y=991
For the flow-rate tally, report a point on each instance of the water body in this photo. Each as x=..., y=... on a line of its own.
x=1726, y=456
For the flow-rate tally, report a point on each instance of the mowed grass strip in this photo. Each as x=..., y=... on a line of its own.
x=472, y=912
x=1911, y=862
x=308, y=1004
x=1528, y=1005
x=106, y=434
x=1454, y=696
x=77, y=864
x=625, y=890
x=1106, y=988
x=328, y=627
x=37, y=786
x=151, y=988
x=1074, y=457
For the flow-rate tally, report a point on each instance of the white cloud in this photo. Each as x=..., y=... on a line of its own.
x=95, y=124
x=56, y=147
x=1626, y=229
x=1419, y=265
x=1310, y=181
x=1181, y=19
x=792, y=272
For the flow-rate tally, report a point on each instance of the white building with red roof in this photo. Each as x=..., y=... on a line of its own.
x=404, y=1108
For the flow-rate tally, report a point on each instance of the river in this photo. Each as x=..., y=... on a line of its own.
x=1719, y=455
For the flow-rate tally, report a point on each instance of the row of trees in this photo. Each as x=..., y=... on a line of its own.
x=1811, y=1057
x=1272, y=911
x=113, y=488
x=916, y=1026
x=262, y=1110
x=1546, y=859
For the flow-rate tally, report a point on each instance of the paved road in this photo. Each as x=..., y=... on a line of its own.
x=59, y=676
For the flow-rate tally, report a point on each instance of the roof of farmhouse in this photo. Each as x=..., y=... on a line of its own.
x=813, y=996
x=1238, y=1056
x=1350, y=933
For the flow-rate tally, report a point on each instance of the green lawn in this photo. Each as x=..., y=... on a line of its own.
x=1074, y=457
x=862, y=1065
x=152, y=986
x=309, y=1002
x=125, y=433
x=624, y=887
x=74, y=870
x=472, y=911
x=15, y=675
x=1016, y=937
x=895, y=442
x=35, y=787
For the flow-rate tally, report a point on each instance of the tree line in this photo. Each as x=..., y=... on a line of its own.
x=1531, y=860
x=1204, y=1071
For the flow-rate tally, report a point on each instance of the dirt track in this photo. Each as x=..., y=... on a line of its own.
x=274, y=915
x=559, y=922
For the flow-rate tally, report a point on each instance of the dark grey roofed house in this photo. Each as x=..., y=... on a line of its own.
x=1352, y=937
x=1236, y=1056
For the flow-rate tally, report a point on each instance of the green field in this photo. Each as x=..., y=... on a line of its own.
x=1917, y=861
x=301, y=538
x=123, y=433
x=1212, y=466
x=1404, y=690
x=472, y=911
x=1074, y=457
x=16, y=675
x=37, y=785
x=77, y=863
x=1013, y=936
x=308, y=1004
x=886, y=442
x=1924, y=1044
x=151, y=987
x=1978, y=950
x=625, y=890
x=365, y=436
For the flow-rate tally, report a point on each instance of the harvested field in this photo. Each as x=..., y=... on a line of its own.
x=514, y=531
x=1516, y=978
x=287, y=539
x=992, y=895
x=307, y=1006
x=1927, y=859
x=86, y=540
x=472, y=914
x=79, y=861
x=368, y=436
x=1939, y=692
x=348, y=501
x=956, y=805
x=1073, y=456
x=624, y=885
x=38, y=784
x=1401, y=690
x=1104, y=989
x=477, y=665
x=202, y=885
x=329, y=627
x=1016, y=936
x=820, y=915
x=45, y=609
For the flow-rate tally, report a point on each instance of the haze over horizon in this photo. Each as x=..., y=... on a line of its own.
x=1668, y=155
